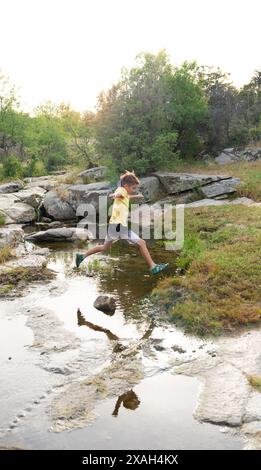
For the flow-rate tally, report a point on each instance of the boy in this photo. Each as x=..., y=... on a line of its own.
x=118, y=225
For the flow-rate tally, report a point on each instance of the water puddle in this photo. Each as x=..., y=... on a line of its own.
x=99, y=381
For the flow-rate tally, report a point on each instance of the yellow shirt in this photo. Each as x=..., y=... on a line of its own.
x=120, y=208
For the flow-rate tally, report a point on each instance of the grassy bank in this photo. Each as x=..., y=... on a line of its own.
x=218, y=285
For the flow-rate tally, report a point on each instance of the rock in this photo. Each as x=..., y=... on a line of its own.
x=178, y=182
x=59, y=234
x=223, y=400
x=151, y=188
x=106, y=304
x=88, y=193
x=57, y=206
x=11, y=187
x=178, y=349
x=224, y=158
x=16, y=211
x=231, y=155
x=95, y=173
x=11, y=235
x=220, y=188
x=46, y=182
x=55, y=224
x=32, y=196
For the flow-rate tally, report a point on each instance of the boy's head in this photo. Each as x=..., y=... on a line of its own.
x=129, y=181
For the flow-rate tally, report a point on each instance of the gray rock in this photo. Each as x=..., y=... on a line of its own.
x=32, y=196
x=232, y=154
x=46, y=182
x=59, y=234
x=11, y=187
x=151, y=188
x=16, y=211
x=95, y=173
x=178, y=182
x=219, y=188
x=224, y=158
x=57, y=206
x=11, y=235
x=106, y=304
x=228, y=388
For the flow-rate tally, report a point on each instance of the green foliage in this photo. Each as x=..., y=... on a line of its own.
x=155, y=116
x=143, y=120
x=34, y=167
x=12, y=167
x=2, y=219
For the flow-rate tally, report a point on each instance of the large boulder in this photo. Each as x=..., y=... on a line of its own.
x=59, y=234
x=89, y=194
x=95, y=173
x=32, y=196
x=179, y=182
x=151, y=188
x=16, y=211
x=11, y=235
x=57, y=206
x=11, y=187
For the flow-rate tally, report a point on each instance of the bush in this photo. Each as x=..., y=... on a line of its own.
x=12, y=167
x=34, y=167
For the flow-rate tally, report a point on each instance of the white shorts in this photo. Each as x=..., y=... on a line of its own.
x=120, y=232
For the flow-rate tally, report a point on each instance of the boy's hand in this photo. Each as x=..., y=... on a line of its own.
x=137, y=196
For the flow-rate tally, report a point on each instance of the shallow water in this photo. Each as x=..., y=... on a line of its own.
x=154, y=411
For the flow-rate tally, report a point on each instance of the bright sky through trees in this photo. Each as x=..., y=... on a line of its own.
x=69, y=50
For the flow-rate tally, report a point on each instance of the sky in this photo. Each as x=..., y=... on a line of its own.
x=70, y=50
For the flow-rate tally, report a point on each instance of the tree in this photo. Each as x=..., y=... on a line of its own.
x=151, y=115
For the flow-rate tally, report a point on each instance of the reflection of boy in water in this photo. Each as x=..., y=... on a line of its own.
x=129, y=400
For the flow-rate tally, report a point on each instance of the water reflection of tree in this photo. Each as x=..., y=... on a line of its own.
x=129, y=400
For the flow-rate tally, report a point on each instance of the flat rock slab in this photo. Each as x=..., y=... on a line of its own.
x=178, y=182
x=219, y=188
x=59, y=234
x=223, y=399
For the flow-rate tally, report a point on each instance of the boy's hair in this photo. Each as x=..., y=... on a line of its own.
x=129, y=177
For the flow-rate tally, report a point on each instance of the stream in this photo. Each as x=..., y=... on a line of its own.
x=67, y=385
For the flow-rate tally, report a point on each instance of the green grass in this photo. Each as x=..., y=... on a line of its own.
x=255, y=381
x=220, y=272
x=2, y=219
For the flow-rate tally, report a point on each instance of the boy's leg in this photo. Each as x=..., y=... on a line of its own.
x=145, y=253
x=133, y=238
x=91, y=251
x=97, y=249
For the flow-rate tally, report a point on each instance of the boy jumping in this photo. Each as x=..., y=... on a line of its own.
x=118, y=224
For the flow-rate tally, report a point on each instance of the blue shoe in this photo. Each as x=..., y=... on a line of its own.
x=158, y=268
x=78, y=260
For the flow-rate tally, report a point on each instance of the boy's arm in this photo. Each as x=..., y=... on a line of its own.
x=113, y=195
x=136, y=196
